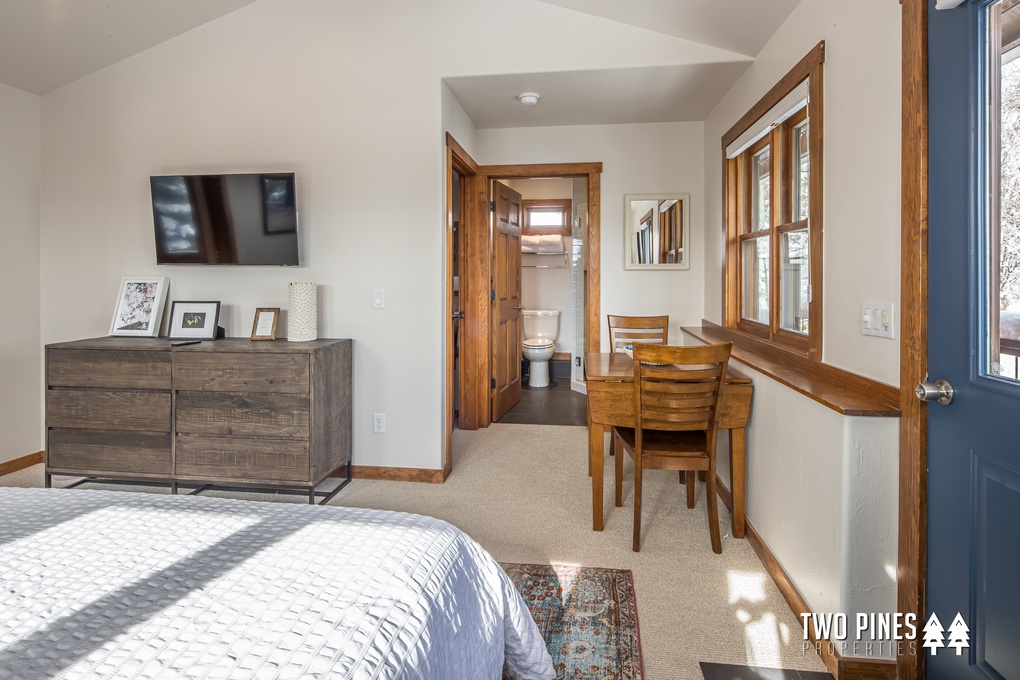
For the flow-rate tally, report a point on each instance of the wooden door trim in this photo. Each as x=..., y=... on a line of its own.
x=463, y=163
x=913, y=496
x=474, y=299
x=476, y=273
x=593, y=247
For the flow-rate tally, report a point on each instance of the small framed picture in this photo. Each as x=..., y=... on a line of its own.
x=194, y=320
x=264, y=326
x=139, y=309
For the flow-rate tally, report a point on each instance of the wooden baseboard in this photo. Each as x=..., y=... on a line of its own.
x=395, y=474
x=7, y=467
x=841, y=667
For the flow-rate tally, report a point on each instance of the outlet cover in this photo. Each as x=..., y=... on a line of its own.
x=378, y=422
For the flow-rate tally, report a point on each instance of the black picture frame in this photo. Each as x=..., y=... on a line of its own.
x=193, y=320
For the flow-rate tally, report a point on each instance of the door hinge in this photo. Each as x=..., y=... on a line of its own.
x=492, y=294
x=492, y=206
x=492, y=383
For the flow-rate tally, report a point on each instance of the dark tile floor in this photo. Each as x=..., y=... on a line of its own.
x=723, y=671
x=553, y=405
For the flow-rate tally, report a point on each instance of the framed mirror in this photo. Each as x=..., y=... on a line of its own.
x=656, y=231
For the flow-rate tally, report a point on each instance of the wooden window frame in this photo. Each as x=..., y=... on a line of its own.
x=737, y=207
x=564, y=205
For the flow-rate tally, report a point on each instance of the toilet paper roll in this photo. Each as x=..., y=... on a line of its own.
x=303, y=312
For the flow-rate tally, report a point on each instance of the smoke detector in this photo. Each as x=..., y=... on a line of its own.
x=528, y=98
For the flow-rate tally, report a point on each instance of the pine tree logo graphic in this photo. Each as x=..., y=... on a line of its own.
x=934, y=638
x=933, y=634
x=959, y=634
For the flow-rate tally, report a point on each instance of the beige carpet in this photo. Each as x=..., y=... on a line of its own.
x=523, y=492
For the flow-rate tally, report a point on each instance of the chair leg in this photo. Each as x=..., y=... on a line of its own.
x=713, y=512
x=619, y=476
x=691, y=486
x=637, y=504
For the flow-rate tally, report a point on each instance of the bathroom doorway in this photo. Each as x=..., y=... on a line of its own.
x=552, y=297
x=473, y=353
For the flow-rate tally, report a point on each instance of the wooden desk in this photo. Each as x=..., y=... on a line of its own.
x=611, y=402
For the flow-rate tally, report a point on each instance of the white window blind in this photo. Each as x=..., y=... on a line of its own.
x=787, y=106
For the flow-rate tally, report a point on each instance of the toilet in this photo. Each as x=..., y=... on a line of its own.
x=541, y=327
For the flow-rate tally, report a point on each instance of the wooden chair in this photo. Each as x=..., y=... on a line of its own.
x=631, y=330
x=676, y=397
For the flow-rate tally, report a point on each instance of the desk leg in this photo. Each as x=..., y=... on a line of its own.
x=588, y=416
x=596, y=454
x=737, y=479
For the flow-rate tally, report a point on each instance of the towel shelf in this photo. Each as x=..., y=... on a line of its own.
x=546, y=266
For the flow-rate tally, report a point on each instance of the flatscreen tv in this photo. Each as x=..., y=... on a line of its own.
x=245, y=219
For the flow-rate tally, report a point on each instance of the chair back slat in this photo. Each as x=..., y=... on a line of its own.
x=634, y=330
x=677, y=388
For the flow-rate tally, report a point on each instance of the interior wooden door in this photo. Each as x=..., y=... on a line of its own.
x=506, y=287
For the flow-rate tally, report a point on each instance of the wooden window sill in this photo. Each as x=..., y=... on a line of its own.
x=846, y=393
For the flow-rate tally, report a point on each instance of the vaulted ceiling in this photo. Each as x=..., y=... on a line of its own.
x=46, y=44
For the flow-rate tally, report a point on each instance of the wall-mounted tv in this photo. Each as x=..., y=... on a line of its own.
x=225, y=219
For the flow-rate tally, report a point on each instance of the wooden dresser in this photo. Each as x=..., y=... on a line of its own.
x=224, y=413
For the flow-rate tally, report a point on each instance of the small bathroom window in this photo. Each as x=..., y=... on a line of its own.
x=549, y=216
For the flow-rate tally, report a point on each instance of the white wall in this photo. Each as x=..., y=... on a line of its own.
x=640, y=158
x=20, y=347
x=821, y=488
x=350, y=97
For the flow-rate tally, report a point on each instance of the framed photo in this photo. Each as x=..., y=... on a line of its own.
x=139, y=309
x=193, y=320
x=279, y=212
x=264, y=326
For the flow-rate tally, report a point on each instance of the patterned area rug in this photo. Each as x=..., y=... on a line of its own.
x=588, y=616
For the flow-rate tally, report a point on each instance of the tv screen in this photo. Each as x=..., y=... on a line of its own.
x=225, y=219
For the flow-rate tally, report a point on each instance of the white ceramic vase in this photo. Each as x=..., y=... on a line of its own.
x=303, y=312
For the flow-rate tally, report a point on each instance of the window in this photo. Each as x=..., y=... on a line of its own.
x=547, y=216
x=773, y=204
x=1003, y=178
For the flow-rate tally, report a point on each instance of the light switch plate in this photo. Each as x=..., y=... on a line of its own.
x=878, y=319
x=378, y=298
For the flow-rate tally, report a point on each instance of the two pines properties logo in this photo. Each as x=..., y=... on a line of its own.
x=884, y=633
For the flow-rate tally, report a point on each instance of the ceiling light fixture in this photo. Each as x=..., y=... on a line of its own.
x=528, y=98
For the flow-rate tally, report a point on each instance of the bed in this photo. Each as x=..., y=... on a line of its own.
x=114, y=584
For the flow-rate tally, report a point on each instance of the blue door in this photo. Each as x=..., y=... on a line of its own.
x=974, y=342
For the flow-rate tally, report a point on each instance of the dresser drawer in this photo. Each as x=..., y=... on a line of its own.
x=241, y=372
x=241, y=460
x=125, y=452
x=263, y=415
x=108, y=410
x=137, y=369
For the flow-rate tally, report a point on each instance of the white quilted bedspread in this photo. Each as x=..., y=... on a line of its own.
x=107, y=584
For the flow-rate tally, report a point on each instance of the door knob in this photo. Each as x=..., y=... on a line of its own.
x=458, y=315
x=940, y=391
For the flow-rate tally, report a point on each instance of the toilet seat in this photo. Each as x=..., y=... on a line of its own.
x=539, y=343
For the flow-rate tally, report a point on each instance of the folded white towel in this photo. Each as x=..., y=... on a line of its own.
x=542, y=244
